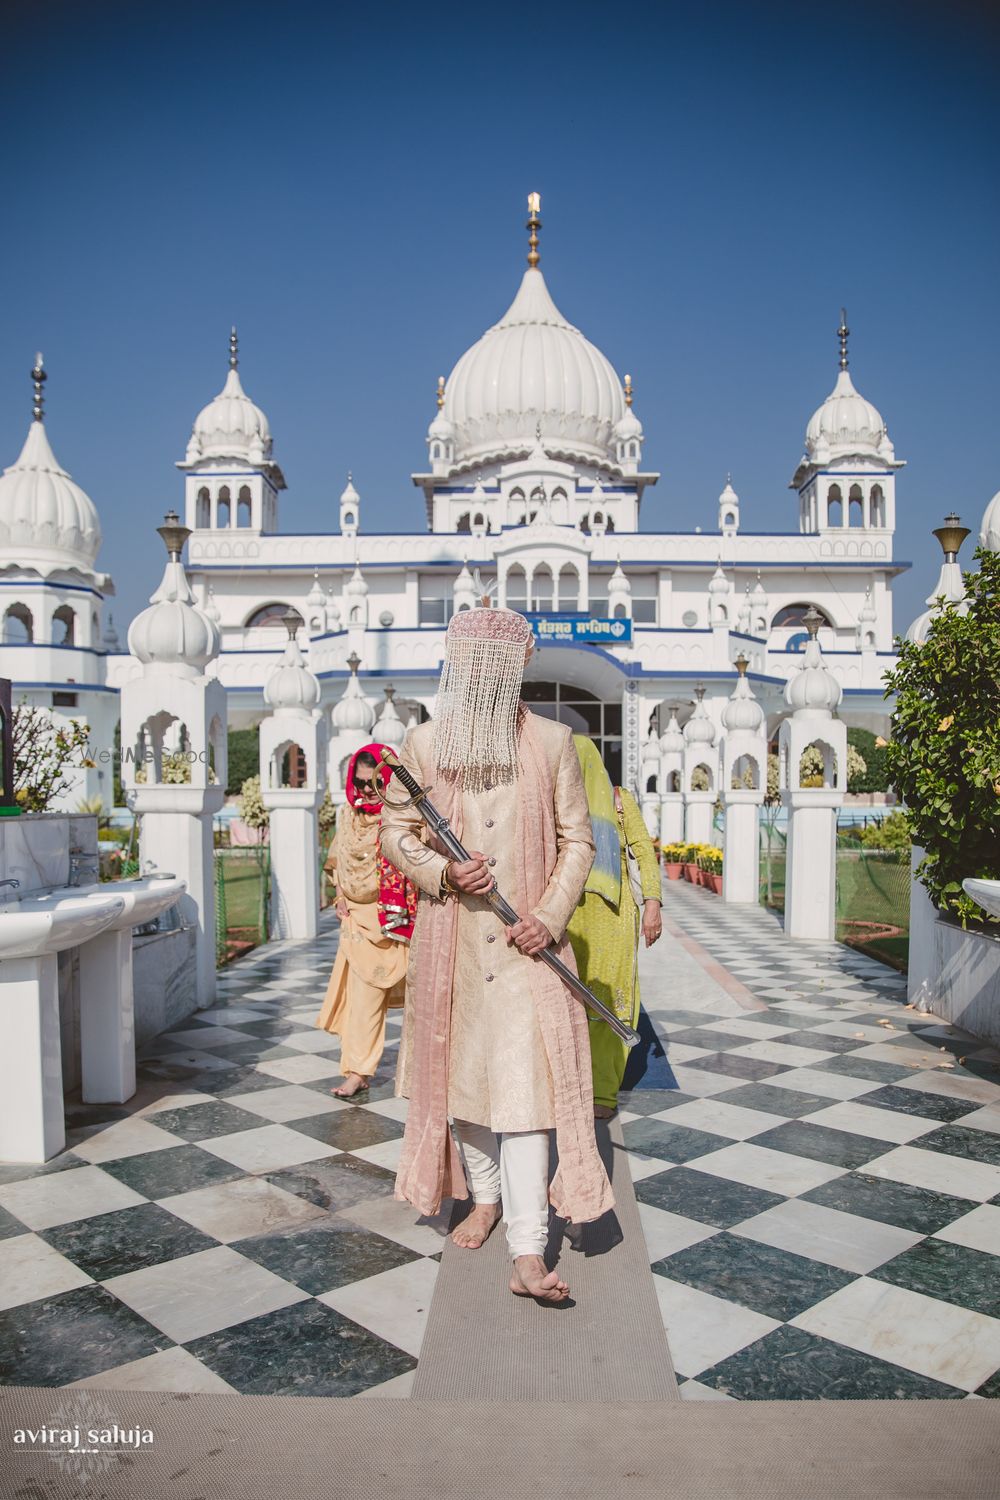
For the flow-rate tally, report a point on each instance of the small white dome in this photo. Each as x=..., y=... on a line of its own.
x=291, y=684
x=718, y=584
x=989, y=536
x=628, y=427
x=618, y=583
x=742, y=711
x=389, y=726
x=211, y=608
x=672, y=738
x=651, y=749
x=699, y=729
x=441, y=429
x=350, y=495
x=813, y=687
x=867, y=611
x=353, y=711
x=533, y=368
x=356, y=584
x=173, y=631
x=846, y=423
x=952, y=585
x=758, y=595
x=729, y=495
x=316, y=598
x=42, y=511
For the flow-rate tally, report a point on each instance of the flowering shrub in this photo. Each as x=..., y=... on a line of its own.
x=252, y=810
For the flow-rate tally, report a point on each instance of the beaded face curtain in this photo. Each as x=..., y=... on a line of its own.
x=475, y=716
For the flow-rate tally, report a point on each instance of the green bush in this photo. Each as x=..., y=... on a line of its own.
x=875, y=776
x=944, y=756
x=891, y=832
x=243, y=747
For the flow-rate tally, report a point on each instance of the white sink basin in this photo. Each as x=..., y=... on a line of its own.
x=36, y=925
x=143, y=899
x=985, y=893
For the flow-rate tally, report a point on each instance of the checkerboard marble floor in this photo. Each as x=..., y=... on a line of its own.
x=819, y=1182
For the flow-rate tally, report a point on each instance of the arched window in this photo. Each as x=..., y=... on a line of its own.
x=202, y=510
x=517, y=589
x=619, y=612
x=856, y=506
x=877, y=505
x=18, y=626
x=610, y=525
x=542, y=588
x=222, y=517
x=569, y=587
x=792, y=615
x=269, y=615
x=436, y=451
x=834, y=506
x=349, y=518
x=585, y=524
x=95, y=628
x=729, y=519
x=479, y=521
x=464, y=522
x=63, y=626
x=243, y=506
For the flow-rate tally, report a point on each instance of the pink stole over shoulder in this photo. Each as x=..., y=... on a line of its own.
x=430, y=1167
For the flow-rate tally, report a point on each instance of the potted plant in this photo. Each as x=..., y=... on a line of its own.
x=673, y=860
x=712, y=868
x=690, y=862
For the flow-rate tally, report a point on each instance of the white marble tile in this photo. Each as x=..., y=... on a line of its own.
x=398, y=1386
x=702, y=1085
x=235, y=1210
x=393, y=1304
x=131, y=1137
x=954, y=1086
x=827, y=1085
x=36, y=851
x=163, y=1098
x=60, y=1197
x=720, y=1118
x=229, y=1015
x=979, y=1230
x=396, y=1109
x=682, y=1052
x=307, y=1068
x=906, y=1328
x=789, y=1054
x=987, y=1118
x=825, y=1234
x=31, y=1269
x=917, y=1058
x=855, y=1030
x=859, y=1118
x=760, y=1167
x=755, y=1031
x=317, y=1040
x=198, y=1038
x=290, y=1103
x=267, y=1149
x=173, y=1369
x=702, y=1329
x=201, y=1293
x=937, y=1171
x=640, y=1165
x=666, y=1233
x=395, y=1220
x=693, y=1390
x=386, y=1154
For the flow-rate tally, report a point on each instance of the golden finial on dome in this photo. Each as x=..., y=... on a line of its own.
x=628, y=390
x=440, y=392
x=533, y=225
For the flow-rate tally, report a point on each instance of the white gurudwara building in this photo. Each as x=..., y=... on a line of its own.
x=536, y=490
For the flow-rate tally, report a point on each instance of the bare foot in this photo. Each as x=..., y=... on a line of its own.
x=604, y=1112
x=476, y=1227
x=352, y=1084
x=530, y=1279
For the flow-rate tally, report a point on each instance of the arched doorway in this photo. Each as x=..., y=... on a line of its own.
x=585, y=714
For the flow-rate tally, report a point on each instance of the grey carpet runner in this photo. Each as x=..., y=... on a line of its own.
x=607, y=1343
x=314, y=1448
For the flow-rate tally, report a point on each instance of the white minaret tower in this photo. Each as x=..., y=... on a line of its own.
x=350, y=509
x=812, y=693
x=672, y=782
x=700, y=755
x=950, y=587
x=744, y=759
x=353, y=717
x=296, y=729
x=729, y=509
x=174, y=642
x=628, y=435
x=231, y=479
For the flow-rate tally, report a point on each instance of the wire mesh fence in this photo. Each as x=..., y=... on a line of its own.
x=242, y=900
x=873, y=897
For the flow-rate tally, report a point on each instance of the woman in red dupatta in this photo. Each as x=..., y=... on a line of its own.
x=376, y=907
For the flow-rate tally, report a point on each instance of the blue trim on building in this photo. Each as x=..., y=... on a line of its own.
x=73, y=588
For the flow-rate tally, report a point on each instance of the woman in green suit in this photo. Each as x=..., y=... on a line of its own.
x=604, y=930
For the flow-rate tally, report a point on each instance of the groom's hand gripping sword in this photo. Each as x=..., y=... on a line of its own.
x=456, y=849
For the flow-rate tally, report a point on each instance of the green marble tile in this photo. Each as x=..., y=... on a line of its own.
x=348, y=1129
x=59, y=1339
x=917, y=1209
x=852, y=1066
x=700, y=1196
x=128, y=1239
x=175, y=1169
x=652, y=1101
x=675, y=1143
x=774, y=1100
x=303, y=1350
x=958, y=1140
x=952, y=1273
x=325, y=1254
x=761, y=1277
x=335, y=1182
x=751, y=1068
x=840, y=1148
x=919, y=1102
x=789, y=1364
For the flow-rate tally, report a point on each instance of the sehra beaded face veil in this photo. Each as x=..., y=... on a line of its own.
x=475, y=719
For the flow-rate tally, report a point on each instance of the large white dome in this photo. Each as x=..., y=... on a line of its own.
x=42, y=512
x=533, y=370
x=231, y=426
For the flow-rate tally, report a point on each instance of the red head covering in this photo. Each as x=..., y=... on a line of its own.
x=353, y=795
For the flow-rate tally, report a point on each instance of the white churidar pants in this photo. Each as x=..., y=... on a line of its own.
x=512, y=1170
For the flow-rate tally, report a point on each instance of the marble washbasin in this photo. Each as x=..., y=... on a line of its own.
x=33, y=926
x=985, y=893
x=143, y=898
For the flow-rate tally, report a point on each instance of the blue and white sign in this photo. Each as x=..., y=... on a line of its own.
x=581, y=630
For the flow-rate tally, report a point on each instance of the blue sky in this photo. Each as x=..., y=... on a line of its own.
x=347, y=185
